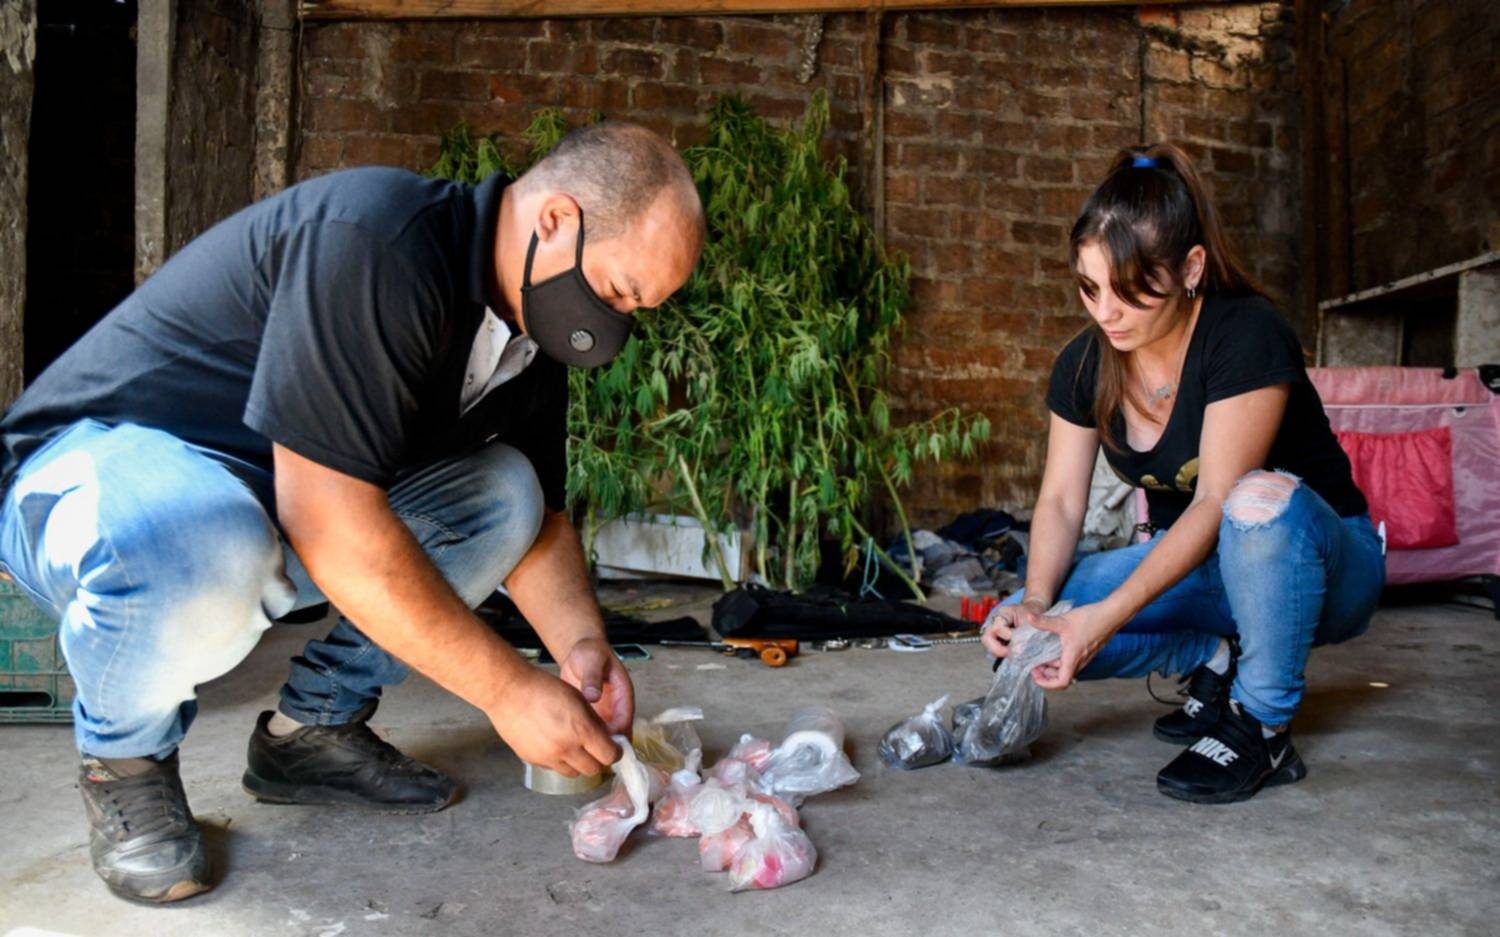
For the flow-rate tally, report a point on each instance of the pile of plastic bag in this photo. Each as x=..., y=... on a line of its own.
x=996, y=729
x=743, y=810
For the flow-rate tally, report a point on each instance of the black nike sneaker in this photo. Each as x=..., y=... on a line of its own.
x=343, y=764
x=1231, y=762
x=1207, y=694
x=143, y=839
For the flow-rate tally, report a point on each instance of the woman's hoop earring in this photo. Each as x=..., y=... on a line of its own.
x=1192, y=292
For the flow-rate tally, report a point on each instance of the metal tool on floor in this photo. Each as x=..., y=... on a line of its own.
x=773, y=652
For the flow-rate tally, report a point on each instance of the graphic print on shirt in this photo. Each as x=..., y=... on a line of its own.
x=1186, y=481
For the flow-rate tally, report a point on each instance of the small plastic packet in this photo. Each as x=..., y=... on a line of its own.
x=716, y=851
x=670, y=817
x=665, y=740
x=715, y=807
x=1014, y=711
x=743, y=763
x=753, y=751
x=810, y=759
x=777, y=854
x=963, y=714
x=602, y=826
x=919, y=741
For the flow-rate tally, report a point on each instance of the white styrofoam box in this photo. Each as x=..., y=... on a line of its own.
x=644, y=545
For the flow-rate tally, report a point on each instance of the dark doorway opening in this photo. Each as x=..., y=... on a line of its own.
x=80, y=240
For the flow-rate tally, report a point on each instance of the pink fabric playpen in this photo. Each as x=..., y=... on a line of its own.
x=1426, y=451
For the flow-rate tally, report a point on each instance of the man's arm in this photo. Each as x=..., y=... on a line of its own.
x=369, y=565
x=551, y=588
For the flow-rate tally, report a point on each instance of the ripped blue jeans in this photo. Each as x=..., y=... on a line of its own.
x=1288, y=575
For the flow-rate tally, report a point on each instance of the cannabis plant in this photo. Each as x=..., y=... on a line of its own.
x=754, y=397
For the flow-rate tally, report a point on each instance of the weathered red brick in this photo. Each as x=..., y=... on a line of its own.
x=345, y=115
x=363, y=150
x=634, y=63
x=480, y=51
x=653, y=97
x=454, y=86
x=632, y=29
x=717, y=71
x=691, y=31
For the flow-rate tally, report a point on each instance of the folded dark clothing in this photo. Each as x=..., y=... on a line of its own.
x=501, y=614
x=977, y=528
x=755, y=611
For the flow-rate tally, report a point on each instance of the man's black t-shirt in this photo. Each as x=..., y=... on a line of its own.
x=1239, y=344
x=335, y=318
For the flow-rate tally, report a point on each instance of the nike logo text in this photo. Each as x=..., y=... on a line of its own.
x=1215, y=751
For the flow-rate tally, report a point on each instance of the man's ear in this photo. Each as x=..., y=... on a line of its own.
x=559, y=214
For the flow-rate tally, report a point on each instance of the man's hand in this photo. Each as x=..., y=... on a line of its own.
x=1083, y=630
x=546, y=723
x=592, y=667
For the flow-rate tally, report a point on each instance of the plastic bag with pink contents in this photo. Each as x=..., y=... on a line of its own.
x=777, y=854
x=670, y=818
x=601, y=827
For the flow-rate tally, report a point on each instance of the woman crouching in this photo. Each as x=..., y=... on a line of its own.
x=1261, y=545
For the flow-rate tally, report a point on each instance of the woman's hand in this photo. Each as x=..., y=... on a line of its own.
x=996, y=632
x=1083, y=631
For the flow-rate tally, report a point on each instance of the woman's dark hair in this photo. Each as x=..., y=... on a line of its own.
x=1150, y=210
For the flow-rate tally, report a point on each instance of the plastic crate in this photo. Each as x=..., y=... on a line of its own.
x=34, y=681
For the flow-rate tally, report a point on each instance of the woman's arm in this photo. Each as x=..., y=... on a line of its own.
x=1237, y=436
x=1060, y=507
x=1055, y=525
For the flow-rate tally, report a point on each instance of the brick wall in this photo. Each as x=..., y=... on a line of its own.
x=1421, y=122
x=997, y=124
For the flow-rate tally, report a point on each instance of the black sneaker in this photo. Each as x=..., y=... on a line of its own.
x=1231, y=762
x=342, y=764
x=143, y=839
x=1207, y=692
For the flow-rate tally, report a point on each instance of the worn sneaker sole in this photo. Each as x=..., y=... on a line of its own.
x=275, y=792
x=1289, y=773
x=178, y=891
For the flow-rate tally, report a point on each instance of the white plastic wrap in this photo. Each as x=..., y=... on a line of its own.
x=602, y=826
x=810, y=759
x=919, y=741
x=778, y=854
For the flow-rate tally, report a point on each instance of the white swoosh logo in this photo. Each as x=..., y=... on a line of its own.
x=1277, y=759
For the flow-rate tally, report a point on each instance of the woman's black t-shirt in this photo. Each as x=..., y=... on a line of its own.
x=1240, y=344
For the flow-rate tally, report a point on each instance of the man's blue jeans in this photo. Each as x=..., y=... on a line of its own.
x=164, y=566
x=1300, y=579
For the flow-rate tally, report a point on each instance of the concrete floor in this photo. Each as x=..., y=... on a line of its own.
x=1395, y=831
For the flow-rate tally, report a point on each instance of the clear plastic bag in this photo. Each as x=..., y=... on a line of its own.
x=919, y=741
x=602, y=826
x=744, y=762
x=778, y=854
x=810, y=759
x=716, y=851
x=1014, y=712
x=963, y=714
x=665, y=740
x=670, y=817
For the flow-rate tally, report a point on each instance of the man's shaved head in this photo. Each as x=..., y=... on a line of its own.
x=616, y=171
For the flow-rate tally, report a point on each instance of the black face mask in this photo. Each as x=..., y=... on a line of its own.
x=567, y=319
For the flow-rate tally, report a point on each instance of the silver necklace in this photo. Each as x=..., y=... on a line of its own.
x=1167, y=390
